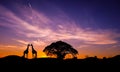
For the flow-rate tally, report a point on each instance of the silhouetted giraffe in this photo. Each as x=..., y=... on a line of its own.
x=25, y=53
x=34, y=52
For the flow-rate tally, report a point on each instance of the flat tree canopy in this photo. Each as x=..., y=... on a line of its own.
x=60, y=49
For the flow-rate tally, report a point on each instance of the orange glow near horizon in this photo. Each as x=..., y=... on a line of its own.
x=10, y=50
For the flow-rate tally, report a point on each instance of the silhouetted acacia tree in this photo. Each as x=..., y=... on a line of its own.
x=60, y=49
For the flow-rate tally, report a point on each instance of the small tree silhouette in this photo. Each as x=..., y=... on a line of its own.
x=60, y=49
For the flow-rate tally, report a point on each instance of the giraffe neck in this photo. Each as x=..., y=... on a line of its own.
x=27, y=48
x=33, y=48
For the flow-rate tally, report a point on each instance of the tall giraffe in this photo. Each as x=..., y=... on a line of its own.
x=34, y=52
x=25, y=53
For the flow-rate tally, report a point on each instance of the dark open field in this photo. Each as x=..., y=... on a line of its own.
x=39, y=63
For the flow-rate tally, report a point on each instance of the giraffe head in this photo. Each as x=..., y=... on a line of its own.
x=28, y=44
x=31, y=44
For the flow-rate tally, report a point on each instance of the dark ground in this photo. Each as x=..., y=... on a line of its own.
x=53, y=64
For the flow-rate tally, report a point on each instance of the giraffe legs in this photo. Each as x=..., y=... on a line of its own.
x=25, y=54
x=34, y=55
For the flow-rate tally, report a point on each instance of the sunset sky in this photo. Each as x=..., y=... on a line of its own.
x=91, y=26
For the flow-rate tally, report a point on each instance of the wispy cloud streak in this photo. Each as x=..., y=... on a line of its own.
x=40, y=26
